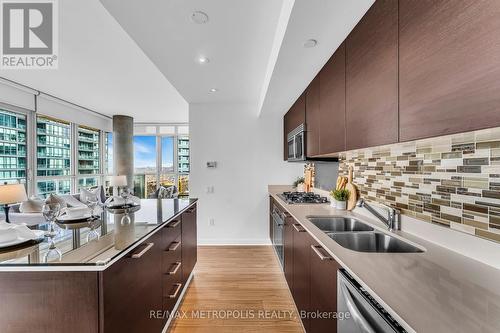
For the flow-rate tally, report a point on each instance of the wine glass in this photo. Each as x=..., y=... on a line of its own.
x=92, y=202
x=50, y=212
x=93, y=234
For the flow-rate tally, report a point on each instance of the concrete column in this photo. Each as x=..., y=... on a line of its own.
x=123, y=148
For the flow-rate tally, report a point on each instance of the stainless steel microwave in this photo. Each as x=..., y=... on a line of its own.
x=296, y=144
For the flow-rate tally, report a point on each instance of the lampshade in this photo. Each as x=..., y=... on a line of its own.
x=118, y=180
x=12, y=193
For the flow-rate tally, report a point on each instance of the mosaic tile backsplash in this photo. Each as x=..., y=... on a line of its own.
x=453, y=181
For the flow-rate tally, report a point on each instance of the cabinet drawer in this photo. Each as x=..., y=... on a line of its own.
x=171, y=279
x=171, y=255
x=171, y=231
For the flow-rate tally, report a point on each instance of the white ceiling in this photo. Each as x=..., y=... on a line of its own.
x=101, y=68
x=327, y=21
x=139, y=58
x=237, y=39
x=256, y=48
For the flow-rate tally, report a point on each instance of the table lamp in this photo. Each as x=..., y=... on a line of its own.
x=11, y=194
x=117, y=182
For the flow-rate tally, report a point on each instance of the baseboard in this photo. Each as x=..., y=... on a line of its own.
x=233, y=242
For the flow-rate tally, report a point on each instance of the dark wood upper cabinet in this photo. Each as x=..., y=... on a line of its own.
x=293, y=118
x=372, y=78
x=332, y=104
x=312, y=118
x=449, y=67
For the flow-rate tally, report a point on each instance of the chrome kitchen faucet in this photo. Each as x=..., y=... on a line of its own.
x=392, y=221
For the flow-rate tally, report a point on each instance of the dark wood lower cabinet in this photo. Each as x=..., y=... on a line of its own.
x=130, y=289
x=49, y=302
x=311, y=274
x=323, y=289
x=189, y=243
x=301, y=269
x=288, y=251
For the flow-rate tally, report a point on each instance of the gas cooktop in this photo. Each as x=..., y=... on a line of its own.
x=302, y=198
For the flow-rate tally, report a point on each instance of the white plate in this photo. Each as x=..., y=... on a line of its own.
x=66, y=218
x=19, y=240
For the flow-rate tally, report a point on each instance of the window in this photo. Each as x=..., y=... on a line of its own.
x=145, y=170
x=53, y=155
x=53, y=147
x=12, y=147
x=88, y=151
x=170, y=168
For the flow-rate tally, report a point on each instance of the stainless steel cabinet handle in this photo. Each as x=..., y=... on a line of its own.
x=355, y=313
x=144, y=250
x=318, y=250
x=173, y=224
x=177, y=266
x=174, y=246
x=298, y=227
x=177, y=289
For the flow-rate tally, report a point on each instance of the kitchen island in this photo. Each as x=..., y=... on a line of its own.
x=128, y=280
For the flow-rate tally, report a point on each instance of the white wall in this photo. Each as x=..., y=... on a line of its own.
x=249, y=155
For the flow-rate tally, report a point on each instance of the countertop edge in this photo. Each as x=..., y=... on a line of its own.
x=93, y=267
x=392, y=312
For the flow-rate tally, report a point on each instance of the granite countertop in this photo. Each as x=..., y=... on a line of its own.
x=435, y=291
x=117, y=238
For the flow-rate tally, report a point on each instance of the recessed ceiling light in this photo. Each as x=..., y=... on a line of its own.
x=212, y=90
x=203, y=60
x=310, y=43
x=199, y=17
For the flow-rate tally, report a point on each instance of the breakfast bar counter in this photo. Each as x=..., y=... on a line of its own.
x=110, y=283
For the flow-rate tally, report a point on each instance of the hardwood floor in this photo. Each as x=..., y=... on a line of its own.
x=237, y=281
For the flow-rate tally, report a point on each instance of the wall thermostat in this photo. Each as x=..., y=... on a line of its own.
x=211, y=164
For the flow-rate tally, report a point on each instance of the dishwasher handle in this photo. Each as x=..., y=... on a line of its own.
x=363, y=324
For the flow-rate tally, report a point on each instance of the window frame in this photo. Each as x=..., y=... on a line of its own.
x=159, y=158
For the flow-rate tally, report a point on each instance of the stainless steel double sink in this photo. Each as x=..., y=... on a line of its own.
x=359, y=236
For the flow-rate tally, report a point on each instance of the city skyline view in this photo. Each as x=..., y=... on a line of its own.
x=145, y=154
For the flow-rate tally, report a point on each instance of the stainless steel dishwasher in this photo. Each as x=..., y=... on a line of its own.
x=366, y=314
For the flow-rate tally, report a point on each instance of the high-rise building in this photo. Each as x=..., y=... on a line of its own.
x=183, y=154
x=53, y=155
x=88, y=156
x=12, y=147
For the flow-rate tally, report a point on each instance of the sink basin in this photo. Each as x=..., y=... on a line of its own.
x=338, y=224
x=373, y=242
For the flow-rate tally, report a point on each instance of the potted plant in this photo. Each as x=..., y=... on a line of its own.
x=298, y=184
x=340, y=198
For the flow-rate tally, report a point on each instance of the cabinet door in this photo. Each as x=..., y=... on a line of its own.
x=372, y=78
x=288, y=251
x=189, y=242
x=293, y=118
x=131, y=288
x=301, y=270
x=323, y=289
x=332, y=104
x=449, y=67
x=312, y=118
